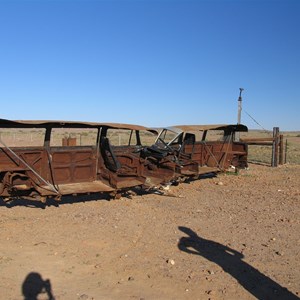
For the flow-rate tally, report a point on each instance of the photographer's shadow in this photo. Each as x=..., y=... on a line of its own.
x=231, y=261
x=34, y=285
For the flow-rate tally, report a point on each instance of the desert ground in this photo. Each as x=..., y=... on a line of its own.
x=232, y=236
x=224, y=237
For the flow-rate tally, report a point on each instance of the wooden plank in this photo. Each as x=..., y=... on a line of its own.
x=260, y=143
x=253, y=140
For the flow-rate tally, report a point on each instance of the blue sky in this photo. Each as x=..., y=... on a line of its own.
x=153, y=63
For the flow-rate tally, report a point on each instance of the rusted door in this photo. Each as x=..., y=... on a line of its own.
x=73, y=164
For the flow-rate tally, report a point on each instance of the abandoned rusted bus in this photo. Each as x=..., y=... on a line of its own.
x=40, y=159
x=200, y=149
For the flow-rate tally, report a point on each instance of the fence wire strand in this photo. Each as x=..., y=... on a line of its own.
x=267, y=131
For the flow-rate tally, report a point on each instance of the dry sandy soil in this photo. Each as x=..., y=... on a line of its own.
x=228, y=237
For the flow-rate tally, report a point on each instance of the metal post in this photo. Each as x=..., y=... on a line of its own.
x=237, y=134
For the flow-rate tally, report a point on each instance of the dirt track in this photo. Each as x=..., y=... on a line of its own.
x=229, y=237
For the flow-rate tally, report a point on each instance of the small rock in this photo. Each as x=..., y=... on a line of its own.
x=83, y=297
x=166, y=188
x=130, y=278
x=171, y=262
x=210, y=292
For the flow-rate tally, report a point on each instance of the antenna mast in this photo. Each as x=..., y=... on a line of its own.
x=237, y=136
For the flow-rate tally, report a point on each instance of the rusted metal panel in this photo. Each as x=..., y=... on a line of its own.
x=4, y=123
x=68, y=168
x=193, y=128
x=186, y=151
x=68, y=141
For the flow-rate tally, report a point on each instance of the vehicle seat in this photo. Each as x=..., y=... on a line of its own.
x=187, y=148
x=189, y=139
x=109, y=157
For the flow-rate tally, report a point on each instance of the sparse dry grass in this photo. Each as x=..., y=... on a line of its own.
x=263, y=154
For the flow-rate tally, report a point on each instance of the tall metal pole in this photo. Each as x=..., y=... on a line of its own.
x=240, y=106
x=237, y=134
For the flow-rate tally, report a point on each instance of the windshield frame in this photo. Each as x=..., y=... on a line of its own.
x=163, y=133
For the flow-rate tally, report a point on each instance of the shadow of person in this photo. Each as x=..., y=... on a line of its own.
x=231, y=261
x=34, y=285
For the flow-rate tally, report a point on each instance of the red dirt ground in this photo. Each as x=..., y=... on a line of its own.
x=228, y=237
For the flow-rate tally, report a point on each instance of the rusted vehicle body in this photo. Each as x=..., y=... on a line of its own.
x=49, y=159
x=200, y=149
x=69, y=158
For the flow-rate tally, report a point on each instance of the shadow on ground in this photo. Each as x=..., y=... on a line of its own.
x=51, y=202
x=231, y=261
x=70, y=199
x=34, y=285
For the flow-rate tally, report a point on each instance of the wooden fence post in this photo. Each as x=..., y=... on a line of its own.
x=286, y=150
x=274, y=162
x=281, y=149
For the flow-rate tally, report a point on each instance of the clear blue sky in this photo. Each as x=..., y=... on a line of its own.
x=153, y=63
